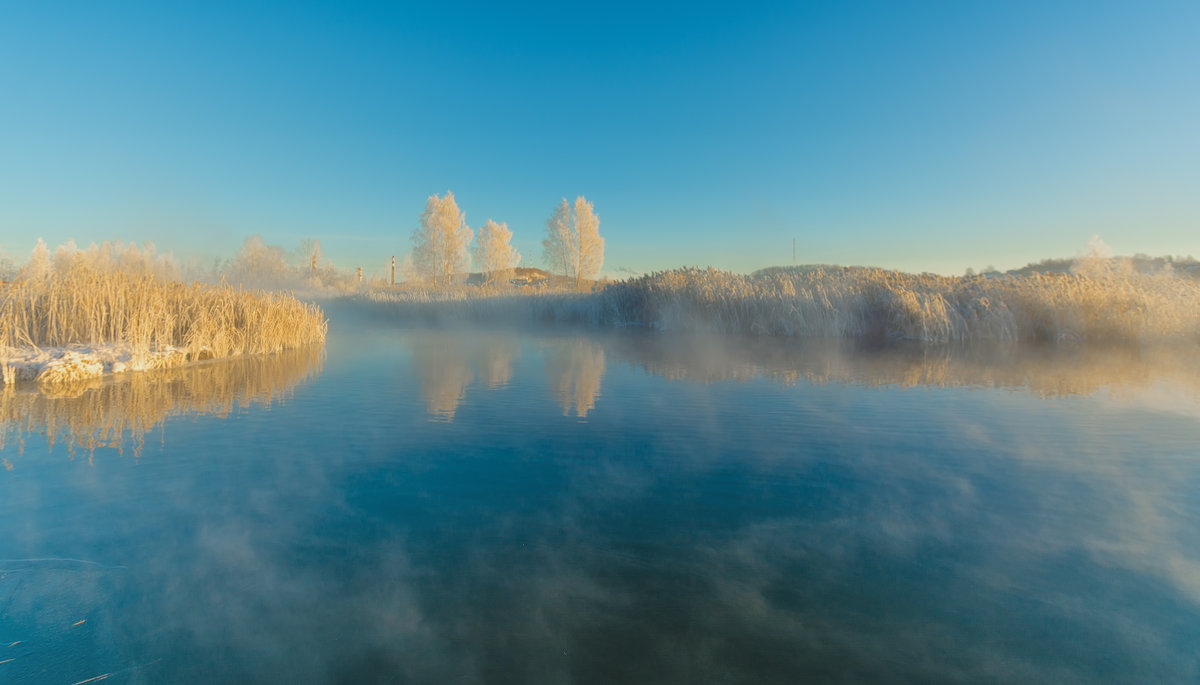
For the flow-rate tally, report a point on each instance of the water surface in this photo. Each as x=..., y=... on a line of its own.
x=431, y=505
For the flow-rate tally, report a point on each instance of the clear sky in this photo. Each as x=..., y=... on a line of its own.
x=911, y=135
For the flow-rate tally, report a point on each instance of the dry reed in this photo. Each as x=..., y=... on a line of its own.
x=874, y=303
x=1102, y=303
x=161, y=323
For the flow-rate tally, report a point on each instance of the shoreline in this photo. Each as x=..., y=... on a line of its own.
x=83, y=361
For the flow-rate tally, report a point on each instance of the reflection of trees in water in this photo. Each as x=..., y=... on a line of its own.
x=575, y=368
x=449, y=361
x=121, y=409
x=443, y=363
x=496, y=356
x=446, y=362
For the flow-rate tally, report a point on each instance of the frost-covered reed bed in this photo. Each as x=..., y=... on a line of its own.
x=1101, y=302
x=1105, y=304
x=85, y=315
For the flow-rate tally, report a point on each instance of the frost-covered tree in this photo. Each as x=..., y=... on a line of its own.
x=440, y=244
x=258, y=264
x=573, y=245
x=108, y=257
x=39, y=265
x=494, y=255
x=309, y=255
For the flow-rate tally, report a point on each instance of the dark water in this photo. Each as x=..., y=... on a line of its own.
x=451, y=506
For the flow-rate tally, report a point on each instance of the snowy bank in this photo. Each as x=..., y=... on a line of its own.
x=56, y=365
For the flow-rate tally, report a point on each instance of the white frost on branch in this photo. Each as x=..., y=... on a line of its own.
x=573, y=245
x=495, y=257
x=440, y=244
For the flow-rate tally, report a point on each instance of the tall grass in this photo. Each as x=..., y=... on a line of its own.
x=1102, y=304
x=1099, y=303
x=82, y=306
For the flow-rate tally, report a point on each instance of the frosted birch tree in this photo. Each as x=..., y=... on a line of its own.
x=494, y=255
x=573, y=245
x=440, y=244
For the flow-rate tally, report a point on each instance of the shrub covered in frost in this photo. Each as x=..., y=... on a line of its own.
x=1103, y=301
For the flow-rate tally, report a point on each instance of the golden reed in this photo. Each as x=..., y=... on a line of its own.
x=165, y=322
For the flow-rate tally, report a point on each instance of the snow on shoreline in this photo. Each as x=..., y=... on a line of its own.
x=55, y=365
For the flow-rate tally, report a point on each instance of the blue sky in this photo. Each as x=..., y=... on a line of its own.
x=911, y=135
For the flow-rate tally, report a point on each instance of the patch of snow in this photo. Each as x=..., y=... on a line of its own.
x=52, y=366
x=71, y=366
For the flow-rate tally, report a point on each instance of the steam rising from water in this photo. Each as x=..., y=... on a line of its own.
x=756, y=513
x=1102, y=301
x=450, y=360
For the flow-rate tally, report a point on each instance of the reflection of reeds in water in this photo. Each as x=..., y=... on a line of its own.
x=1047, y=371
x=575, y=368
x=448, y=362
x=121, y=410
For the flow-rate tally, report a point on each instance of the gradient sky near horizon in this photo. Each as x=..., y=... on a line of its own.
x=923, y=136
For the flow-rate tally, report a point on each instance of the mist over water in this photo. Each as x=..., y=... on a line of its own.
x=464, y=505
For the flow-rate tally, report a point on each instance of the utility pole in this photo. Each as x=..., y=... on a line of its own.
x=360, y=274
x=393, y=269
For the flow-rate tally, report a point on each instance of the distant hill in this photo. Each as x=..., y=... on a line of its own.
x=533, y=277
x=530, y=272
x=521, y=273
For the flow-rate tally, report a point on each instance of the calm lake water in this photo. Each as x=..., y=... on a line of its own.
x=456, y=506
